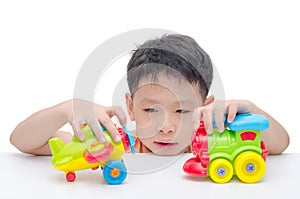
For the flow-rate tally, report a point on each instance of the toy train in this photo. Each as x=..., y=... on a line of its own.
x=236, y=151
x=79, y=155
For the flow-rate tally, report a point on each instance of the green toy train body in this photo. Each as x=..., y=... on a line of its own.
x=236, y=151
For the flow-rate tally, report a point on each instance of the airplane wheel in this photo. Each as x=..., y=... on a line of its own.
x=70, y=176
x=114, y=172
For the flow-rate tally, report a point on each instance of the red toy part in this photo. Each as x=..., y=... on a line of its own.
x=265, y=151
x=125, y=140
x=248, y=135
x=194, y=167
x=93, y=157
x=70, y=176
x=197, y=166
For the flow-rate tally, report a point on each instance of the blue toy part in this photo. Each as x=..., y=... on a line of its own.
x=103, y=128
x=114, y=172
x=130, y=138
x=248, y=121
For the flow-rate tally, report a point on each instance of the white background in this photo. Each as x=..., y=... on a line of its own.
x=255, y=46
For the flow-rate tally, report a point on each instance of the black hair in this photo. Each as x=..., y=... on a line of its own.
x=171, y=53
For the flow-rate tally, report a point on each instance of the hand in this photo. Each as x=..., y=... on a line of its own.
x=66, y=137
x=85, y=112
x=219, y=109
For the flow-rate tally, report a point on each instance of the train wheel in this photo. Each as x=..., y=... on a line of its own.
x=220, y=170
x=249, y=167
x=114, y=172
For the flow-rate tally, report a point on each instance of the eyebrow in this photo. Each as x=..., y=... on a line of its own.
x=149, y=100
x=144, y=100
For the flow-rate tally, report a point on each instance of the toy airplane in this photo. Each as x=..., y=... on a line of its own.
x=79, y=155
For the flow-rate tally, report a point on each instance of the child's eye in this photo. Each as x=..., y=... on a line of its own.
x=182, y=111
x=150, y=110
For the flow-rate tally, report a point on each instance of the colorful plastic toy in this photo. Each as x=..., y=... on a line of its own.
x=79, y=155
x=236, y=151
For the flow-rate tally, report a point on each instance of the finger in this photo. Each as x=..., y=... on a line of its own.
x=219, y=119
x=207, y=118
x=77, y=130
x=111, y=128
x=118, y=112
x=196, y=118
x=97, y=131
x=231, y=113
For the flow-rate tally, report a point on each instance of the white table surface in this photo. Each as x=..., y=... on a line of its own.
x=149, y=176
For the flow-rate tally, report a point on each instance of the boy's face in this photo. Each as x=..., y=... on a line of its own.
x=162, y=112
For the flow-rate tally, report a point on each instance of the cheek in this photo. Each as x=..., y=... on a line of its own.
x=142, y=119
x=148, y=124
x=184, y=120
x=145, y=120
x=185, y=127
x=146, y=129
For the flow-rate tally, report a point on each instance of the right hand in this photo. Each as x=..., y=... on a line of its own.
x=85, y=112
x=218, y=109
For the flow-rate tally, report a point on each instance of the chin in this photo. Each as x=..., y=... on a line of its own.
x=164, y=152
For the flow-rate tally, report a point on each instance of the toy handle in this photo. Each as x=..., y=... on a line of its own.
x=127, y=139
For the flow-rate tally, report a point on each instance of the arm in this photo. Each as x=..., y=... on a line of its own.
x=275, y=138
x=32, y=135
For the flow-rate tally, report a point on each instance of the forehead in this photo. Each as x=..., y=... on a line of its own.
x=166, y=88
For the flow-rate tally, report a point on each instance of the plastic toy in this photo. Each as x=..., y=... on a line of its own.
x=238, y=150
x=79, y=155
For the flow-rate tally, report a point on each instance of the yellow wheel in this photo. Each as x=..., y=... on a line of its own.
x=249, y=167
x=220, y=170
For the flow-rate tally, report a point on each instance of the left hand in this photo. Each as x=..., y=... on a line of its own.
x=219, y=109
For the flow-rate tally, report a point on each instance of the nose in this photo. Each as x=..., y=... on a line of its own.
x=168, y=126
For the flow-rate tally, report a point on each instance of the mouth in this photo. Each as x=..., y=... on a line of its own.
x=165, y=145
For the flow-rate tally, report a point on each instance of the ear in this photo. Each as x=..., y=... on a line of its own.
x=129, y=105
x=209, y=100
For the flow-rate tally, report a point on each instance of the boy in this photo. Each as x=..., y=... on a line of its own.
x=169, y=79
